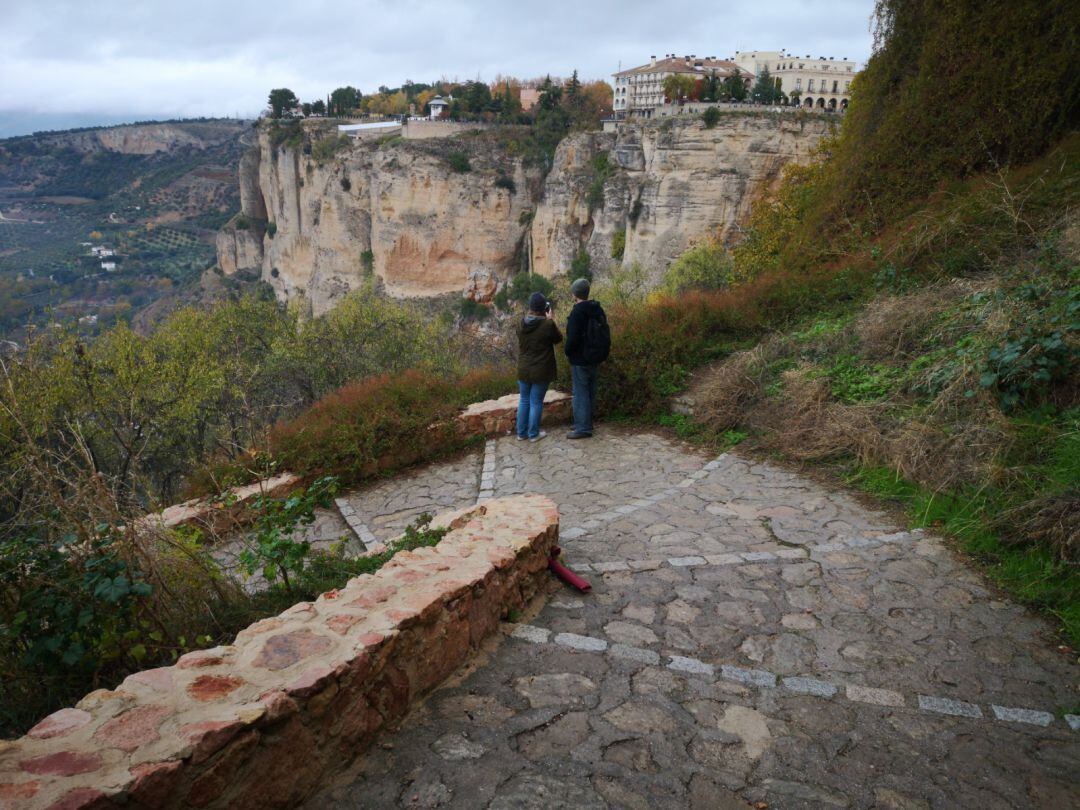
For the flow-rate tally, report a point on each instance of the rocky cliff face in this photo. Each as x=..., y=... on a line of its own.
x=399, y=211
x=668, y=184
x=147, y=139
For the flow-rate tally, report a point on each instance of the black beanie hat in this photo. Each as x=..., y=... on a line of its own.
x=537, y=302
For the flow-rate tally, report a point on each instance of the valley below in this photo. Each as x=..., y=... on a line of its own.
x=101, y=225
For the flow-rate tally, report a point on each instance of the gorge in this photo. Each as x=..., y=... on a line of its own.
x=400, y=210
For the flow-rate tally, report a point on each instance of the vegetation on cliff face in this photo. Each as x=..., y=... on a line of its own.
x=952, y=89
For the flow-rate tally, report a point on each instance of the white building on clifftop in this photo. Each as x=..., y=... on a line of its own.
x=639, y=90
x=820, y=82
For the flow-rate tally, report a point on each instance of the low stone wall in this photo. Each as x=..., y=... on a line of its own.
x=493, y=417
x=262, y=722
x=417, y=129
x=498, y=417
x=215, y=512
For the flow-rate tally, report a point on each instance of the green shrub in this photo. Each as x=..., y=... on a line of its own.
x=706, y=266
x=505, y=182
x=852, y=382
x=346, y=183
x=580, y=265
x=473, y=310
x=289, y=134
x=459, y=162
x=272, y=548
x=325, y=148
x=602, y=170
x=618, y=244
x=271, y=229
x=518, y=289
x=367, y=262
x=1027, y=363
x=241, y=223
x=711, y=117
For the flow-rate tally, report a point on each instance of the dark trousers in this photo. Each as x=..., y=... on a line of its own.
x=584, y=393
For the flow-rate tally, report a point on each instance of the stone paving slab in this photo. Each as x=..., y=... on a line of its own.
x=750, y=637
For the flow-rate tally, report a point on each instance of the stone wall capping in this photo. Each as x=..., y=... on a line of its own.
x=226, y=726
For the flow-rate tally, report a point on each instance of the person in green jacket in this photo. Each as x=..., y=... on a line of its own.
x=537, y=336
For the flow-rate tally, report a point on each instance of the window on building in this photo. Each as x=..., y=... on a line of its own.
x=834, y=86
x=846, y=86
x=798, y=84
x=810, y=86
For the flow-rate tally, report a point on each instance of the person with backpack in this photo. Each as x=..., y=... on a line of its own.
x=537, y=335
x=588, y=343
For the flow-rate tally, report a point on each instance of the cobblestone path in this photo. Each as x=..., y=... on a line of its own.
x=750, y=637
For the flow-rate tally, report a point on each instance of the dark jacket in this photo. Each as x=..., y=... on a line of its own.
x=576, y=326
x=537, y=337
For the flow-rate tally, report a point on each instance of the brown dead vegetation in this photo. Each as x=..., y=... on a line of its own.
x=1052, y=521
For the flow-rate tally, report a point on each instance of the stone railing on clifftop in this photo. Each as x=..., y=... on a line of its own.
x=262, y=722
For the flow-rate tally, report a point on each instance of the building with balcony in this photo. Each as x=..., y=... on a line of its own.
x=639, y=90
x=819, y=82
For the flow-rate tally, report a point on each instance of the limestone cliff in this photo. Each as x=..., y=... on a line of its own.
x=316, y=227
x=668, y=184
x=399, y=211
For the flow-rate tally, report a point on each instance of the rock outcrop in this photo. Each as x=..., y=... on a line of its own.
x=401, y=212
x=321, y=228
x=669, y=183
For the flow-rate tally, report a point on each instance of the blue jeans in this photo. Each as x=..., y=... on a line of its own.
x=530, y=405
x=584, y=380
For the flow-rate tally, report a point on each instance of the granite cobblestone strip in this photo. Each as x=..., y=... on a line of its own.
x=487, y=473
x=356, y=525
x=1013, y=715
x=957, y=708
x=927, y=704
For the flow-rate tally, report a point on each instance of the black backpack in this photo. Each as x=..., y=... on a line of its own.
x=597, y=338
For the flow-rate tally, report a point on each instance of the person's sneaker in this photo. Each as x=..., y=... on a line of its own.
x=575, y=435
x=538, y=436
x=522, y=438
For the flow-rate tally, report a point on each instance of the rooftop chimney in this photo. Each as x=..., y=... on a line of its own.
x=652, y=61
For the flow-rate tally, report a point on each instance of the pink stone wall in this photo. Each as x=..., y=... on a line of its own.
x=262, y=722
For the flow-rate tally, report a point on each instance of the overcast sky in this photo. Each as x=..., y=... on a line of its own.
x=82, y=62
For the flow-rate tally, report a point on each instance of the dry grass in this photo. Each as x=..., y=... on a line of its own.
x=893, y=326
x=727, y=390
x=1052, y=522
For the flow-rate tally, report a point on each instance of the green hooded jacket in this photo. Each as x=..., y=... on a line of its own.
x=537, y=337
